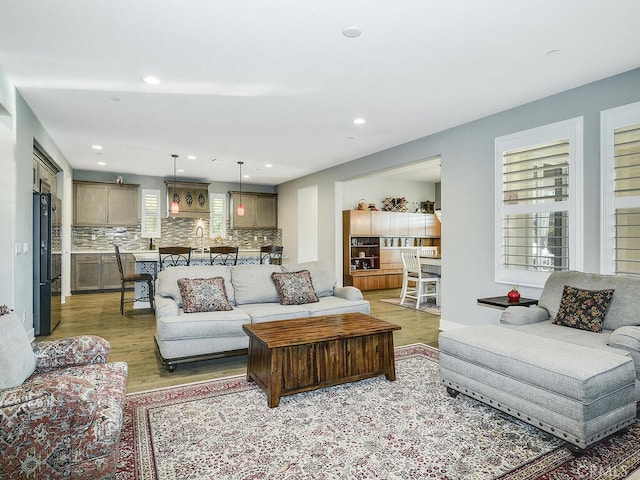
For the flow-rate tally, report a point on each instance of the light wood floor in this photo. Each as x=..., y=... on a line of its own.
x=131, y=336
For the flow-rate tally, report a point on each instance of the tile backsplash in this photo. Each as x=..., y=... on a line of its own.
x=175, y=231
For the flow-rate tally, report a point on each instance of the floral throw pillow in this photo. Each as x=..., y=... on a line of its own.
x=203, y=295
x=295, y=288
x=583, y=309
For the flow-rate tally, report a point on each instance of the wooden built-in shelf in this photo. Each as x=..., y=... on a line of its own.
x=379, y=236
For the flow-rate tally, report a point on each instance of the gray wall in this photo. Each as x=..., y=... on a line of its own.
x=17, y=290
x=467, y=191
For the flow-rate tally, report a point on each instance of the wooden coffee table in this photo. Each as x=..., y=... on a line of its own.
x=292, y=356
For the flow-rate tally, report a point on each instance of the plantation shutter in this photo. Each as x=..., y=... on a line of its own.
x=627, y=186
x=151, y=226
x=535, y=186
x=217, y=220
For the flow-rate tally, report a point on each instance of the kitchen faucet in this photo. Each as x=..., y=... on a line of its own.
x=201, y=236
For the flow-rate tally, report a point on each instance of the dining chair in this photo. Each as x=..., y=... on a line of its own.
x=271, y=254
x=133, y=278
x=417, y=284
x=223, y=255
x=428, y=251
x=174, y=256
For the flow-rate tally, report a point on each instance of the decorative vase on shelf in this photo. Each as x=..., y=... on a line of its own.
x=514, y=294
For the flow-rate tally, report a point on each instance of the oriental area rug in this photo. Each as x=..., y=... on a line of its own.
x=371, y=429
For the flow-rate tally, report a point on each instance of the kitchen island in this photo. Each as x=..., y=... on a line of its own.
x=148, y=261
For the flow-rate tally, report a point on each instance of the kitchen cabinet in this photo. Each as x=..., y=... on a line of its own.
x=98, y=271
x=357, y=222
x=86, y=272
x=260, y=210
x=105, y=204
x=192, y=197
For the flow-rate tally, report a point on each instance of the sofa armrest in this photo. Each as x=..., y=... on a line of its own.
x=44, y=418
x=348, y=293
x=69, y=352
x=517, y=315
x=628, y=338
x=165, y=307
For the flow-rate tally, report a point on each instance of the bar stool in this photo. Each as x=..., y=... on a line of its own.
x=133, y=278
x=174, y=256
x=272, y=253
x=223, y=255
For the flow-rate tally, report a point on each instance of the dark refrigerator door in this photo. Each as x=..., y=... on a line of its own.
x=49, y=307
x=46, y=265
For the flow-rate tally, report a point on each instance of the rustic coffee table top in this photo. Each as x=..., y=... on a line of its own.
x=299, y=331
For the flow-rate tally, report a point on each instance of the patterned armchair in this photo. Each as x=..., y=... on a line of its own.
x=64, y=419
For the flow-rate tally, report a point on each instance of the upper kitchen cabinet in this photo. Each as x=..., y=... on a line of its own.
x=104, y=204
x=358, y=222
x=260, y=210
x=192, y=197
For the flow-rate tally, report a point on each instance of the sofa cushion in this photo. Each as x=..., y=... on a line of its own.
x=322, y=275
x=267, y=312
x=168, y=279
x=337, y=305
x=17, y=361
x=625, y=303
x=253, y=284
x=583, y=309
x=202, y=325
x=294, y=288
x=203, y=295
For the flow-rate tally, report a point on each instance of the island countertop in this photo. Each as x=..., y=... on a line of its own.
x=152, y=255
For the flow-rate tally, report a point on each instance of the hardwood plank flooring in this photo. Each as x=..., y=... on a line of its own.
x=131, y=336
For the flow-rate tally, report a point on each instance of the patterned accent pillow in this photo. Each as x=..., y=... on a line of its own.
x=203, y=295
x=583, y=309
x=295, y=288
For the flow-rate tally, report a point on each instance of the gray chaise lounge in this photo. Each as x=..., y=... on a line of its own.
x=578, y=385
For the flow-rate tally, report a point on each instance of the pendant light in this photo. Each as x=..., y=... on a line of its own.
x=175, y=198
x=240, y=206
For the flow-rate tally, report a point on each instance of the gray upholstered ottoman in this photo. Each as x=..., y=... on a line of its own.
x=576, y=393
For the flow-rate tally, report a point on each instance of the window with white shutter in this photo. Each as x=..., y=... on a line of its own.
x=150, y=214
x=621, y=190
x=218, y=215
x=538, y=173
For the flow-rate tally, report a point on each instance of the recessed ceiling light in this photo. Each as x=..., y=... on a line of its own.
x=352, y=32
x=102, y=163
x=151, y=80
x=553, y=53
x=191, y=157
x=180, y=170
x=96, y=147
x=359, y=121
x=246, y=176
x=268, y=165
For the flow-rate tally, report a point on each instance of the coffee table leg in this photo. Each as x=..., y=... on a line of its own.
x=391, y=360
x=274, y=388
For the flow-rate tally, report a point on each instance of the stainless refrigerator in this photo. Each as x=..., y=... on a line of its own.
x=47, y=262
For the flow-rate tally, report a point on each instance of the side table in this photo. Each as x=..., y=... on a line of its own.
x=504, y=302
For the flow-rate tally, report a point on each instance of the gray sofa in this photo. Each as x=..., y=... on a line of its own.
x=578, y=385
x=186, y=337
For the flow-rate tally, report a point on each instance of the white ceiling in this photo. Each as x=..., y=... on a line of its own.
x=277, y=82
